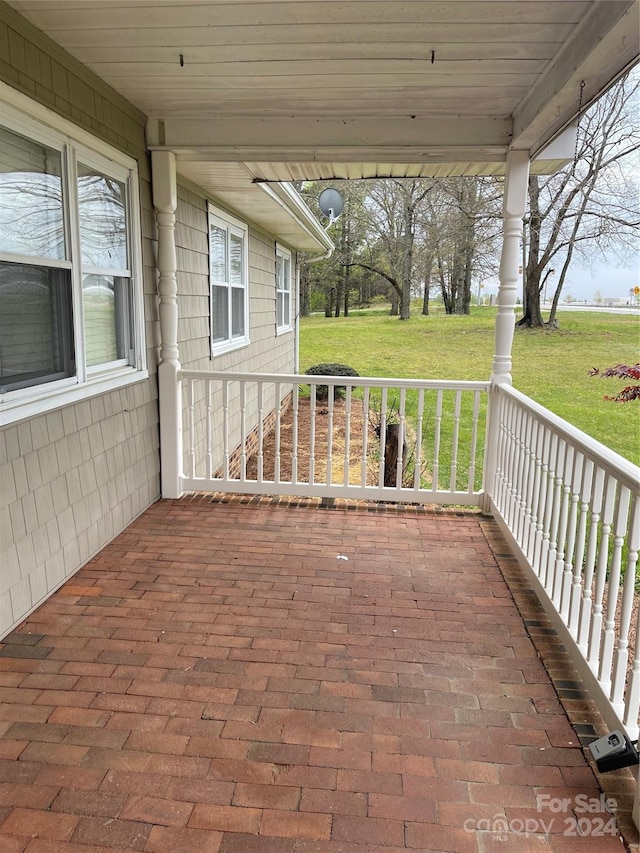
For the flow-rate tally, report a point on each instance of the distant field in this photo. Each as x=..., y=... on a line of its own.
x=550, y=367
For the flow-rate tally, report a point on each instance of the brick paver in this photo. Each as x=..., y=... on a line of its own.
x=221, y=678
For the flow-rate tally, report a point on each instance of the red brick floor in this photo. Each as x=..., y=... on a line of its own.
x=243, y=678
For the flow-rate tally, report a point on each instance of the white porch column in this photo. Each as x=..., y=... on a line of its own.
x=513, y=208
x=163, y=165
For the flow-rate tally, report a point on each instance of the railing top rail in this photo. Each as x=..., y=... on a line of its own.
x=352, y=381
x=625, y=471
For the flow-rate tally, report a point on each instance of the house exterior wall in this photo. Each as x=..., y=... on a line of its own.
x=73, y=478
x=266, y=353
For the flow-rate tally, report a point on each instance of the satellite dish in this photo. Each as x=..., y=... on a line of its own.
x=330, y=203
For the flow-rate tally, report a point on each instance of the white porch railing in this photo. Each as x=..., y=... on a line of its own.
x=570, y=509
x=568, y=506
x=376, y=439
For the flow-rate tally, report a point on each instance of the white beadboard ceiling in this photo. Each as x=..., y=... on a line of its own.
x=325, y=89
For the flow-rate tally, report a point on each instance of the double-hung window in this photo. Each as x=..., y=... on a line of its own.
x=70, y=285
x=283, y=290
x=228, y=270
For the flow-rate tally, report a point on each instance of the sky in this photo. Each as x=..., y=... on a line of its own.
x=582, y=282
x=611, y=279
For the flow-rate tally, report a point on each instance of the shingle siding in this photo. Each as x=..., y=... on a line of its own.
x=267, y=353
x=70, y=480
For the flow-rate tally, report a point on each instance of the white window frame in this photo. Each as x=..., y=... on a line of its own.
x=284, y=288
x=20, y=115
x=232, y=227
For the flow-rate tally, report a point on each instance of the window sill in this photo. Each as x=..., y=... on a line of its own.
x=229, y=346
x=12, y=411
x=283, y=330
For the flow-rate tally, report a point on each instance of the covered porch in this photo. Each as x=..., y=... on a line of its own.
x=220, y=677
x=236, y=675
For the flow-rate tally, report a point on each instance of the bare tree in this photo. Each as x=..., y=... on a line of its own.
x=590, y=206
x=394, y=207
x=462, y=224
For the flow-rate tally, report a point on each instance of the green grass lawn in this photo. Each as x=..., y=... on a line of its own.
x=550, y=367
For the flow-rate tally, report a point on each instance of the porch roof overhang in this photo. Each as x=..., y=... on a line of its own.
x=280, y=90
x=275, y=207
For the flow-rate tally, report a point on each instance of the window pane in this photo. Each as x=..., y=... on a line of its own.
x=31, y=218
x=287, y=315
x=103, y=221
x=279, y=308
x=237, y=311
x=220, y=311
x=36, y=325
x=105, y=301
x=236, y=260
x=218, y=252
x=279, y=272
x=287, y=274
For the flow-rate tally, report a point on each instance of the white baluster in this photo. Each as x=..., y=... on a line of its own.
x=543, y=489
x=191, y=453
x=331, y=401
x=294, y=443
x=278, y=405
x=626, y=610
x=548, y=508
x=564, y=500
x=454, y=443
x=365, y=436
x=474, y=443
x=418, y=453
x=527, y=523
x=506, y=413
x=590, y=562
x=312, y=435
x=243, y=430
x=632, y=704
x=401, y=430
x=209, y=407
x=260, y=466
x=581, y=538
x=573, y=485
x=593, y=655
x=512, y=467
x=524, y=440
x=383, y=435
x=609, y=635
x=436, y=442
x=347, y=434
x=225, y=427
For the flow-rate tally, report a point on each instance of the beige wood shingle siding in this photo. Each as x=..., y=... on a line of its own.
x=266, y=352
x=72, y=479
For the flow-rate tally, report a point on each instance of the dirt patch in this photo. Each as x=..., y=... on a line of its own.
x=314, y=454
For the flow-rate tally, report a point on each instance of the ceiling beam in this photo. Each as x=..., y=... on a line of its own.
x=603, y=46
x=330, y=139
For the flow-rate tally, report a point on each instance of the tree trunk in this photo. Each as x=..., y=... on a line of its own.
x=347, y=286
x=425, y=300
x=338, y=297
x=328, y=302
x=395, y=302
x=407, y=266
x=305, y=297
x=532, y=316
x=391, y=456
x=428, y=268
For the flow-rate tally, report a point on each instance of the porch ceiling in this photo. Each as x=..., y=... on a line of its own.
x=316, y=89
